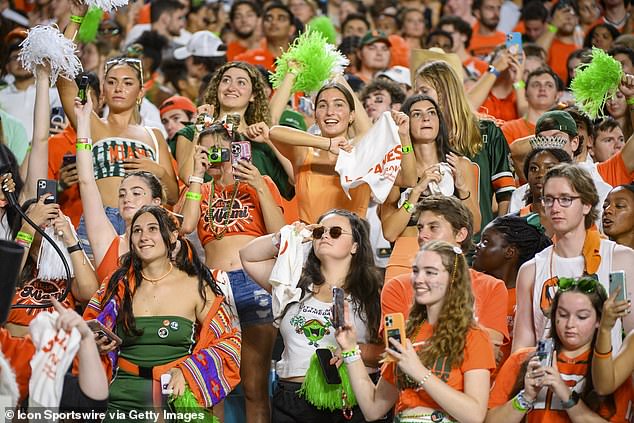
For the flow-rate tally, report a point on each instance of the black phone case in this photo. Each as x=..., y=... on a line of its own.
x=337, y=310
x=330, y=370
x=47, y=186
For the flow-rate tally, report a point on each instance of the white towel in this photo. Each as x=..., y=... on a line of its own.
x=54, y=353
x=375, y=160
x=288, y=268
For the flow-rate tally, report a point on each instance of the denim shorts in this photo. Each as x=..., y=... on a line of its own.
x=253, y=302
x=115, y=218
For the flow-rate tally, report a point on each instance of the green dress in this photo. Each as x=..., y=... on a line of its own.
x=164, y=339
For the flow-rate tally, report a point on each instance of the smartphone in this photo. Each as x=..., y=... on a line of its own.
x=97, y=327
x=47, y=186
x=338, y=319
x=330, y=370
x=69, y=159
x=514, y=44
x=394, y=328
x=545, y=349
x=57, y=116
x=617, y=279
x=240, y=150
x=305, y=106
x=165, y=380
x=83, y=87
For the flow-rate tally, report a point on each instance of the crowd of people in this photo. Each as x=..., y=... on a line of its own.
x=492, y=282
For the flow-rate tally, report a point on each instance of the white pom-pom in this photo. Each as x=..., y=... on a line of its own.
x=106, y=5
x=46, y=45
x=341, y=61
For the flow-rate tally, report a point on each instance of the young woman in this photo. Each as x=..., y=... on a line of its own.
x=238, y=87
x=441, y=372
x=480, y=140
x=609, y=372
x=618, y=108
x=238, y=205
x=341, y=256
x=601, y=36
x=428, y=133
x=618, y=215
x=505, y=245
x=154, y=302
x=121, y=144
x=413, y=21
x=562, y=391
x=339, y=116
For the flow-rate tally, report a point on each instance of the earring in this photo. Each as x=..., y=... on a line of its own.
x=138, y=101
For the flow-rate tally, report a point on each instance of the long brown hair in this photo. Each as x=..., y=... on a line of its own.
x=456, y=315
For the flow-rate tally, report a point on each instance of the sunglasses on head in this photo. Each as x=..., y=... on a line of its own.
x=585, y=284
x=134, y=63
x=334, y=232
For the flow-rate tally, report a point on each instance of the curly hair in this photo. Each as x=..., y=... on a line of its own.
x=129, y=272
x=258, y=109
x=456, y=315
x=362, y=282
x=517, y=232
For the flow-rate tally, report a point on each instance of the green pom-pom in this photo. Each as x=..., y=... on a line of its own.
x=596, y=82
x=316, y=62
x=90, y=25
x=187, y=405
x=323, y=25
x=323, y=395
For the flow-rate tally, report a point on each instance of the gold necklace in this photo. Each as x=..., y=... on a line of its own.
x=227, y=211
x=154, y=281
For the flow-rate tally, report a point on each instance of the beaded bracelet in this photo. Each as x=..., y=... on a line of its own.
x=407, y=149
x=193, y=196
x=76, y=19
x=83, y=146
x=352, y=355
x=24, y=237
x=421, y=384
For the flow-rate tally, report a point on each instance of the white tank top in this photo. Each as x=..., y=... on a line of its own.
x=545, y=285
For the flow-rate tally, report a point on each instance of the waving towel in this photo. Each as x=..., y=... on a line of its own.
x=54, y=353
x=288, y=268
x=375, y=160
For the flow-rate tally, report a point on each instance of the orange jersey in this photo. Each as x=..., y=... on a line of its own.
x=614, y=172
x=399, y=51
x=511, y=307
x=476, y=65
x=547, y=407
x=258, y=56
x=490, y=296
x=558, y=57
x=18, y=352
x=516, y=129
x=234, y=48
x=501, y=108
x=245, y=213
x=482, y=45
x=478, y=354
x=37, y=292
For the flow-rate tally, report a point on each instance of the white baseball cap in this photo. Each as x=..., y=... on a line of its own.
x=201, y=44
x=399, y=74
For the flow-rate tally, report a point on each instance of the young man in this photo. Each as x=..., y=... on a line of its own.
x=448, y=219
x=176, y=112
x=355, y=25
x=168, y=18
x=381, y=95
x=244, y=18
x=203, y=54
x=543, y=90
x=373, y=55
x=279, y=27
x=608, y=140
x=485, y=36
x=570, y=202
x=461, y=33
x=534, y=16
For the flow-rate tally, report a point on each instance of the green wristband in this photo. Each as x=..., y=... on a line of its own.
x=193, y=196
x=407, y=149
x=519, y=85
x=23, y=236
x=409, y=207
x=630, y=101
x=76, y=19
x=83, y=146
x=552, y=28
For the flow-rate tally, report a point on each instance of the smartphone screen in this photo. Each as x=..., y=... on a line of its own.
x=331, y=374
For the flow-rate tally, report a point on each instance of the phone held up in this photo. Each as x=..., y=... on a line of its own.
x=83, y=88
x=47, y=187
x=338, y=319
x=617, y=280
x=394, y=328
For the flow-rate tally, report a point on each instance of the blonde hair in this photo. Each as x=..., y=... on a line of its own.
x=456, y=315
x=464, y=129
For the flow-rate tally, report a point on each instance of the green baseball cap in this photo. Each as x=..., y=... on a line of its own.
x=372, y=37
x=293, y=119
x=556, y=119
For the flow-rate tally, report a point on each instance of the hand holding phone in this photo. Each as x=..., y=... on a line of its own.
x=82, y=93
x=338, y=319
x=97, y=327
x=331, y=373
x=165, y=381
x=617, y=280
x=545, y=352
x=47, y=187
x=394, y=327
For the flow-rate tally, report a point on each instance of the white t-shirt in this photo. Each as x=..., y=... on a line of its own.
x=21, y=103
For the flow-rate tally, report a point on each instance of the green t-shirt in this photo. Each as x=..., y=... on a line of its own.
x=14, y=136
x=262, y=157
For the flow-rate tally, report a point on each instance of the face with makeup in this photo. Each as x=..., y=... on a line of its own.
x=134, y=193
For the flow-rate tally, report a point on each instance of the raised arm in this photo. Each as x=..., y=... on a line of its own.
x=362, y=122
x=280, y=98
x=38, y=157
x=191, y=207
x=479, y=92
x=407, y=176
x=627, y=88
x=258, y=258
x=523, y=332
x=100, y=230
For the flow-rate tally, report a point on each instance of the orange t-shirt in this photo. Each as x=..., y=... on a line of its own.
x=144, y=14
x=482, y=45
x=501, y=108
x=58, y=146
x=37, y=292
x=558, y=57
x=18, y=352
x=547, y=407
x=478, y=354
x=258, y=56
x=318, y=193
x=246, y=214
x=511, y=307
x=474, y=64
x=397, y=296
x=234, y=48
x=614, y=172
x=516, y=129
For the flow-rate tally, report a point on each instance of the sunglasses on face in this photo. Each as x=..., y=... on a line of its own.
x=585, y=284
x=334, y=232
